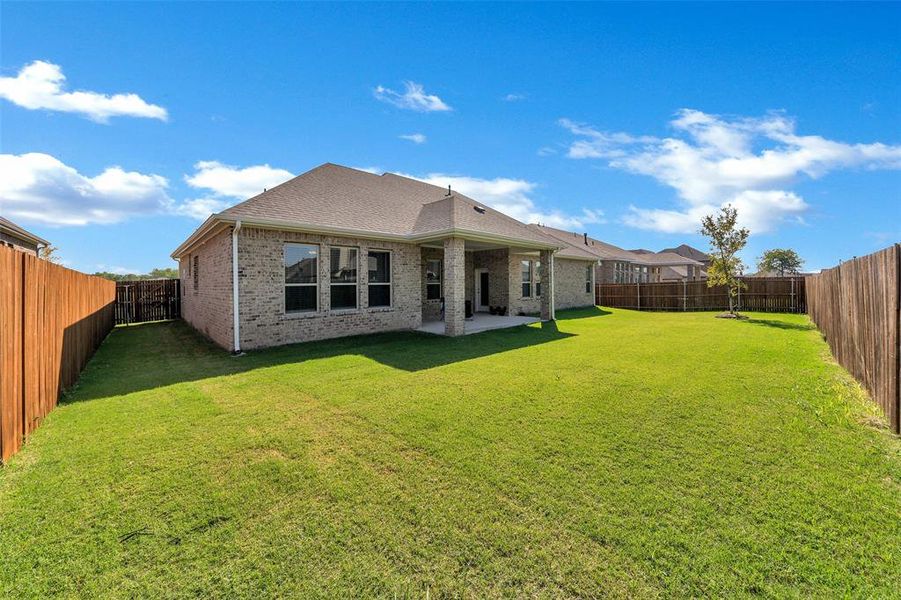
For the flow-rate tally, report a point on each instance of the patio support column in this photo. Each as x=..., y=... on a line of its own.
x=547, y=285
x=454, y=286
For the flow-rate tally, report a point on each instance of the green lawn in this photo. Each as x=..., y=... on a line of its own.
x=612, y=454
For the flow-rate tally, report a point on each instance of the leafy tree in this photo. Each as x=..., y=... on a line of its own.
x=783, y=260
x=49, y=254
x=726, y=241
x=164, y=273
x=167, y=273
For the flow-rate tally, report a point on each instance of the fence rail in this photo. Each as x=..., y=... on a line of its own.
x=53, y=319
x=144, y=300
x=765, y=294
x=857, y=307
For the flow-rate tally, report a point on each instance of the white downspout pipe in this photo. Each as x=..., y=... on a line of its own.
x=236, y=325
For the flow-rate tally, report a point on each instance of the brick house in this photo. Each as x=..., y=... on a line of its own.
x=13, y=236
x=616, y=265
x=338, y=251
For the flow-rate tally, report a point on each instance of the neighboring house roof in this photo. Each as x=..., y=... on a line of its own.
x=10, y=228
x=573, y=244
x=339, y=200
x=604, y=251
x=689, y=252
x=667, y=259
x=776, y=274
x=641, y=251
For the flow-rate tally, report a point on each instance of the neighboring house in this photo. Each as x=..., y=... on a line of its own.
x=778, y=274
x=692, y=253
x=13, y=236
x=616, y=265
x=337, y=252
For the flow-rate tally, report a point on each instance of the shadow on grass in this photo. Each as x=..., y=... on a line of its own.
x=781, y=324
x=582, y=313
x=141, y=357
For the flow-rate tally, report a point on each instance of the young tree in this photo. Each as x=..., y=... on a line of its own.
x=726, y=241
x=784, y=260
x=49, y=254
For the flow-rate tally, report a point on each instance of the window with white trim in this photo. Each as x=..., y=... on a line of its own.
x=537, y=278
x=301, y=277
x=433, y=279
x=589, y=273
x=526, y=267
x=343, y=264
x=379, y=263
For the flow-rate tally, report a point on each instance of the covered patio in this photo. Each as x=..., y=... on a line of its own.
x=478, y=323
x=464, y=280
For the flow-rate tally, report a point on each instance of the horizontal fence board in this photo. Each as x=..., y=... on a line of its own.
x=857, y=307
x=143, y=300
x=54, y=319
x=765, y=294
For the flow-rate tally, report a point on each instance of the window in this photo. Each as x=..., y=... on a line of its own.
x=195, y=272
x=301, y=277
x=526, y=278
x=621, y=273
x=537, y=278
x=432, y=279
x=379, y=278
x=589, y=271
x=343, y=278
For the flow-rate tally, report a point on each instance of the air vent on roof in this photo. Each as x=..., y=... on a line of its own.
x=479, y=210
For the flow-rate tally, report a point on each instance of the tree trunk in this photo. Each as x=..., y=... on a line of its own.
x=731, y=308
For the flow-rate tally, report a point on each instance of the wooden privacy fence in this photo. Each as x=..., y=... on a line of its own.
x=144, y=300
x=766, y=294
x=53, y=319
x=857, y=307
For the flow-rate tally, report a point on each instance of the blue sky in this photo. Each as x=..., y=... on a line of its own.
x=625, y=121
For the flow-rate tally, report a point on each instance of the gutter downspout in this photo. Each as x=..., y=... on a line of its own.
x=236, y=325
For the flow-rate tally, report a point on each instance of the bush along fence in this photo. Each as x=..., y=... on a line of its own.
x=857, y=307
x=53, y=320
x=765, y=294
x=145, y=300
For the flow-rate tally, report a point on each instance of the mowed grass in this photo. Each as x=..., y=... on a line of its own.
x=615, y=453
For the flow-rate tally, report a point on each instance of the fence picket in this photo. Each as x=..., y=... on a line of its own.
x=53, y=320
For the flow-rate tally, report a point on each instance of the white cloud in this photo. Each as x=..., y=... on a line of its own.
x=514, y=97
x=511, y=197
x=201, y=208
x=39, y=188
x=416, y=138
x=412, y=98
x=713, y=160
x=39, y=85
x=235, y=182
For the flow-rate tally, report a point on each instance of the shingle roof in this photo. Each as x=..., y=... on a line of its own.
x=332, y=196
x=17, y=231
x=572, y=244
x=688, y=252
x=604, y=251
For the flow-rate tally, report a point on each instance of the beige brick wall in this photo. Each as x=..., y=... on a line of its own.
x=208, y=307
x=569, y=286
x=264, y=321
x=498, y=264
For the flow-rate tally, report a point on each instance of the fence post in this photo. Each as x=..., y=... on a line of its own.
x=738, y=308
x=638, y=293
x=684, y=295
x=793, y=295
